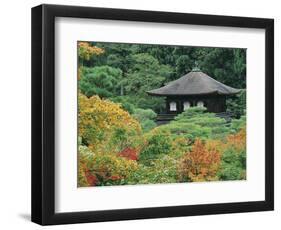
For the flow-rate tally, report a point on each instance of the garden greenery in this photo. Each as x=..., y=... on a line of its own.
x=119, y=141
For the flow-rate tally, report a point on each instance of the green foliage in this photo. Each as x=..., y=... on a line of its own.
x=237, y=104
x=102, y=80
x=125, y=102
x=197, y=123
x=116, y=55
x=233, y=165
x=145, y=67
x=237, y=124
x=145, y=74
x=225, y=65
x=184, y=65
x=161, y=170
x=148, y=125
x=146, y=118
x=119, y=142
x=144, y=114
x=234, y=157
x=157, y=143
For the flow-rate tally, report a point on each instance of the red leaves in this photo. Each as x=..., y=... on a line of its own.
x=129, y=153
x=91, y=179
x=115, y=177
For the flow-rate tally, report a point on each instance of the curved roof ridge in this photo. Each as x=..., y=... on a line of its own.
x=194, y=83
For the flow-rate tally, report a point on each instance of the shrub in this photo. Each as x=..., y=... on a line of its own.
x=190, y=113
x=146, y=118
x=197, y=123
x=104, y=126
x=106, y=169
x=125, y=102
x=84, y=155
x=148, y=125
x=238, y=124
x=237, y=104
x=144, y=114
x=237, y=141
x=156, y=143
x=129, y=153
x=201, y=163
x=180, y=145
x=234, y=157
x=233, y=165
x=161, y=170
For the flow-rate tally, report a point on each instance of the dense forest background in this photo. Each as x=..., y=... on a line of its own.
x=124, y=72
x=119, y=141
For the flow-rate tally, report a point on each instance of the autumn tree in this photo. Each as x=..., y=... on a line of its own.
x=233, y=166
x=201, y=163
x=104, y=169
x=85, y=52
x=104, y=126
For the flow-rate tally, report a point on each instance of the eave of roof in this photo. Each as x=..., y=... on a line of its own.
x=194, y=83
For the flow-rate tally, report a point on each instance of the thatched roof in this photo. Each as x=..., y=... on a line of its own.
x=194, y=83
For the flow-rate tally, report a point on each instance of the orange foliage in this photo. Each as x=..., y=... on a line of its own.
x=201, y=163
x=86, y=50
x=129, y=153
x=92, y=180
x=104, y=169
x=237, y=141
x=86, y=177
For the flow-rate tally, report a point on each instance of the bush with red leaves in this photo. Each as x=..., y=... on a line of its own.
x=92, y=180
x=129, y=153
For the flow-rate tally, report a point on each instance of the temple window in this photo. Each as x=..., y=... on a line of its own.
x=186, y=105
x=200, y=104
x=173, y=106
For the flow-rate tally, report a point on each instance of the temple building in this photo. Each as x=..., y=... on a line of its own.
x=193, y=89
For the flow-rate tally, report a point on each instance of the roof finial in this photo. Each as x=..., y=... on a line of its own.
x=196, y=67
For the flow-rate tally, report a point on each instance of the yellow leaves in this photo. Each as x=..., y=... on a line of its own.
x=79, y=72
x=106, y=168
x=100, y=119
x=104, y=112
x=86, y=51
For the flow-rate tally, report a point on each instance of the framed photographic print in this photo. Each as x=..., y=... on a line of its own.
x=141, y=114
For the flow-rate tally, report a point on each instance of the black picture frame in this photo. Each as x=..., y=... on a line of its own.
x=43, y=114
